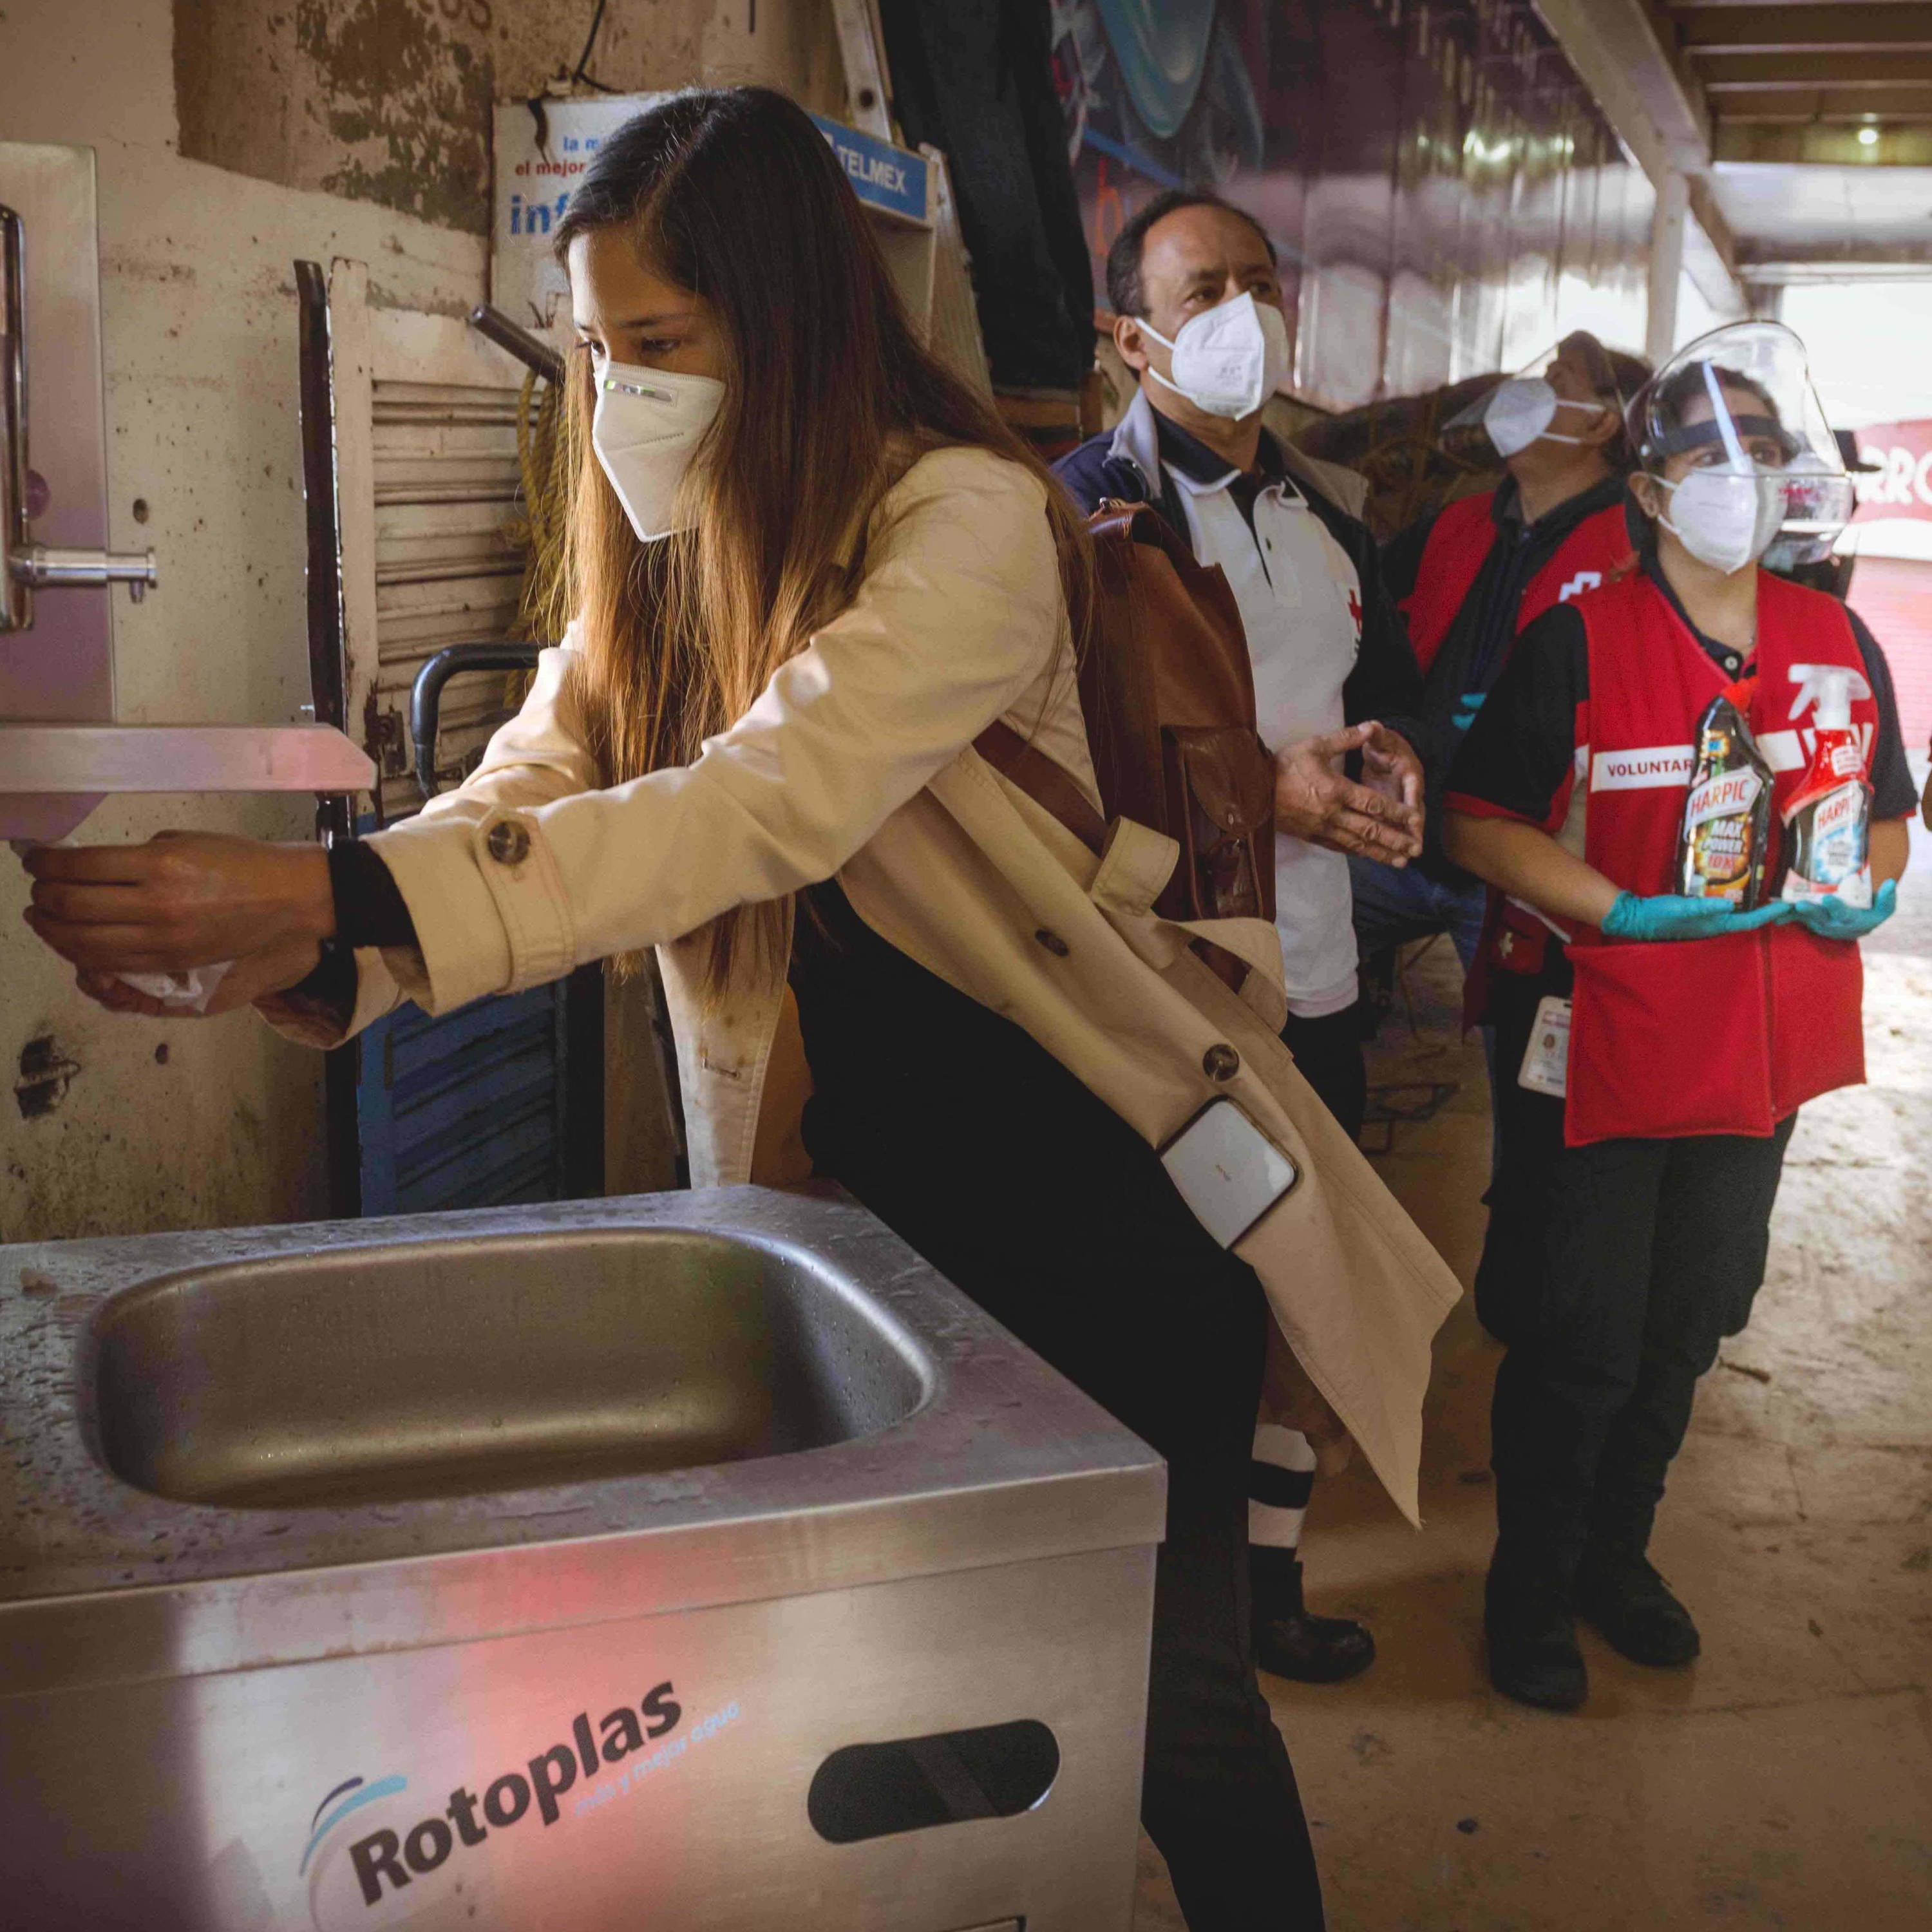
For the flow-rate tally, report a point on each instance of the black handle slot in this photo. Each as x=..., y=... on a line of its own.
x=872, y=1791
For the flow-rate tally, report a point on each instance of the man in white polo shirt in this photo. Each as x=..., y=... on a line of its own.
x=1193, y=284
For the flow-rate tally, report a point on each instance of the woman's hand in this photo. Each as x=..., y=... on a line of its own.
x=1313, y=801
x=256, y=975
x=183, y=899
x=1663, y=916
x=1831, y=918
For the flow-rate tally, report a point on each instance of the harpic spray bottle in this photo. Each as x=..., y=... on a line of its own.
x=1828, y=819
x=1726, y=835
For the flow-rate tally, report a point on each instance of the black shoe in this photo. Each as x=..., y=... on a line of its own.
x=1532, y=1645
x=1288, y=1641
x=1633, y=1608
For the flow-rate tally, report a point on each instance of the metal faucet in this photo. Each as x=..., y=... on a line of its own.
x=26, y=566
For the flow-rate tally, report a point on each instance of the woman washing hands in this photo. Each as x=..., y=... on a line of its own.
x=809, y=569
x=184, y=900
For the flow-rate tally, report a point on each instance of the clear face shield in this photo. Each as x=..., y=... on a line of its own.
x=1734, y=438
x=1562, y=396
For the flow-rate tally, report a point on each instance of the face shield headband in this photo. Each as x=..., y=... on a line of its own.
x=1728, y=514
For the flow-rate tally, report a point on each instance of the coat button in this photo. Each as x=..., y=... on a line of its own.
x=508, y=843
x=1053, y=943
x=1220, y=1062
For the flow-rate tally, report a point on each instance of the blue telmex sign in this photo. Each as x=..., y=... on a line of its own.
x=882, y=175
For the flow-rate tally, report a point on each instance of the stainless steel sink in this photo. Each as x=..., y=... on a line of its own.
x=698, y=1561
x=336, y=1379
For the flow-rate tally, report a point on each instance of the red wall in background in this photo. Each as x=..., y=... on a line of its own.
x=1893, y=595
x=1902, y=484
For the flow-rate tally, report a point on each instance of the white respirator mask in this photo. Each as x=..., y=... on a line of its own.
x=1519, y=411
x=1725, y=517
x=1227, y=361
x=647, y=423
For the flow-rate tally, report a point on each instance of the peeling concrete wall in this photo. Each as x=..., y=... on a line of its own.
x=388, y=100
x=190, y=1124
x=113, y=1126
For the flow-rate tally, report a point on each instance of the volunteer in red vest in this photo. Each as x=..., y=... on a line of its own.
x=1469, y=578
x=1654, y=1046
x=1194, y=285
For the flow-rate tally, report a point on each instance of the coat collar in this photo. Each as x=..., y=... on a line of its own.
x=1137, y=442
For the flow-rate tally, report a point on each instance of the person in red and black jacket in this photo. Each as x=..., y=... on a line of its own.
x=1469, y=579
x=1665, y=1040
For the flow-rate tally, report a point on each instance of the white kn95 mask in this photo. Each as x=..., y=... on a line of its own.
x=1726, y=518
x=647, y=423
x=1519, y=412
x=1227, y=361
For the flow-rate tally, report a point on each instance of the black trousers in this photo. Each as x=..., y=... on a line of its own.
x=1328, y=1051
x=1003, y=1172
x=1652, y=1252
x=1527, y=1141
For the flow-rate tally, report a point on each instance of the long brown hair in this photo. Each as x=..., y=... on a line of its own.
x=732, y=194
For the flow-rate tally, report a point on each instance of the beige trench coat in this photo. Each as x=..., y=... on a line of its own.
x=856, y=762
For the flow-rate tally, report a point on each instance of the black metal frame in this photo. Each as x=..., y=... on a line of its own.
x=426, y=694
x=328, y=672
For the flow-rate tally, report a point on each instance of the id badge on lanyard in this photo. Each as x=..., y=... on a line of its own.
x=1546, y=1061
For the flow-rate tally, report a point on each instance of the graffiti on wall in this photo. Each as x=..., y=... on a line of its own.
x=1443, y=195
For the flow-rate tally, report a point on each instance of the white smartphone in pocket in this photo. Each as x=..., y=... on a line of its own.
x=1227, y=1170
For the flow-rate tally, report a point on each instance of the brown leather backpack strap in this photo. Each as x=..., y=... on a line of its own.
x=1042, y=781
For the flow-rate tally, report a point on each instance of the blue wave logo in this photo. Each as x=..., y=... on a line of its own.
x=354, y=1793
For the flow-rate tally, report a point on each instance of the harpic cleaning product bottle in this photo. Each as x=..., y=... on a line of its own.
x=1828, y=819
x=1727, y=832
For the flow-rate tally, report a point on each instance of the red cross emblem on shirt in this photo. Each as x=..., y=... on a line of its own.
x=1355, y=612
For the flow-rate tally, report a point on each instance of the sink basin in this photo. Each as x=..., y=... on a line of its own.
x=410, y=1371
x=702, y=1560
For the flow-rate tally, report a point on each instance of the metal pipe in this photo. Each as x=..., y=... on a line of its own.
x=529, y=350
x=42, y=566
x=16, y=599
x=426, y=694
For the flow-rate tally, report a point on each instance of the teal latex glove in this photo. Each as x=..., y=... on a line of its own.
x=1675, y=916
x=1832, y=919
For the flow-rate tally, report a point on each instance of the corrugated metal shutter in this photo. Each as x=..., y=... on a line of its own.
x=467, y=1111
x=446, y=570
x=477, y=1108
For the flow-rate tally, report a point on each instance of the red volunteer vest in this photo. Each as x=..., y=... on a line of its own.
x=1727, y=1035
x=1459, y=541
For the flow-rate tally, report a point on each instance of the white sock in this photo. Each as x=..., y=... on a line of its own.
x=1280, y=1479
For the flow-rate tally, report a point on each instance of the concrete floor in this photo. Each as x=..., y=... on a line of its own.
x=1785, y=1781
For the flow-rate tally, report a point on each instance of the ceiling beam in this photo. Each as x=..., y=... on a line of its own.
x=1655, y=104
x=1723, y=73
x=1824, y=103
x=1618, y=50
x=1835, y=142
x=1898, y=264
x=1851, y=27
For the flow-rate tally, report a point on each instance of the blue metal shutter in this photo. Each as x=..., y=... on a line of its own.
x=467, y=1111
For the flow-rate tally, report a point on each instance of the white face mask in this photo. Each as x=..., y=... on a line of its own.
x=1725, y=517
x=647, y=423
x=1227, y=361
x=1520, y=411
